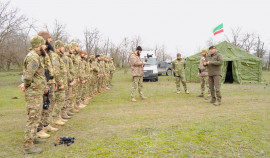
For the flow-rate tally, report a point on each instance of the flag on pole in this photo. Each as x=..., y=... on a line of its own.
x=218, y=29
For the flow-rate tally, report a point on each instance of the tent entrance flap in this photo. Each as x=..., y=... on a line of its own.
x=229, y=73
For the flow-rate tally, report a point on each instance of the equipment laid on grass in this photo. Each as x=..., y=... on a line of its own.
x=65, y=140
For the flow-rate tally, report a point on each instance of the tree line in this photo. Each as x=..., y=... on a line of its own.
x=15, y=30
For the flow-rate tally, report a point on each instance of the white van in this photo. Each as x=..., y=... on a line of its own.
x=150, y=71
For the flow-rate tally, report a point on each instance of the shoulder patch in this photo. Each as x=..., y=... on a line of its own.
x=65, y=60
x=55, y=62
x=34, y=65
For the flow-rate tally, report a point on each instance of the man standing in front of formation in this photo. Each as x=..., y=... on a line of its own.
x=136, y=65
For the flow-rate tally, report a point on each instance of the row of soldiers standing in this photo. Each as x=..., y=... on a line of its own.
x=59, y=81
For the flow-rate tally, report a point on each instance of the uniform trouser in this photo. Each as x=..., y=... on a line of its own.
x=34, y=109
x=91, y=86
x=137, y=84
x=204, y=82
x=74, y=94
x=59, y=104
x=181, y=79
x=111, y=77
x=84, y=91
x=99, y=86
x=70, y=98
x=66, y=106
x=214, y=86
x=95, y=83
x=46, y=118
x=79, y=94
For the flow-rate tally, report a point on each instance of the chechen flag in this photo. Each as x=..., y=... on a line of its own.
x=218, y=29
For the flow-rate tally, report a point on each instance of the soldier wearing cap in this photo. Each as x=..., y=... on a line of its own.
x=76, y=61
x=51, y=77
x=99, y=60
x=34, y=87
x=82, y=79
x=179, y=66
x=203, y=74
x=61, y=85
x=71, y=80
x=214, y=63
x=94, y=75
x=136, y=65
x=112, y=69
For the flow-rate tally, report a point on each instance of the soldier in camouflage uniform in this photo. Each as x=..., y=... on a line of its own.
x=75, y=59
x=85, y=93
x=46, y=120
x=179, y=66
x=83, y=80
x=136, y=65
x=99, y=60
x=34, y=87
x=112, y=69
x=203, y=74
x=71, y=80
x=214, y=63
x=60, y=91
x=107, y=72
x=94, y=74
x=67, y=80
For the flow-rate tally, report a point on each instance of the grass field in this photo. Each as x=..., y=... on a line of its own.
x=165, y=125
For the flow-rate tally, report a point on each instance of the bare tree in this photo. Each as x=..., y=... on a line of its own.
x=58, y=31
x=259, y=48
x=91, y=40
x=11, y=26
x=236, y=37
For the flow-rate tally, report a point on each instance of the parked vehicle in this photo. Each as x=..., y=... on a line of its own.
x=164, y=68
x=150, y=71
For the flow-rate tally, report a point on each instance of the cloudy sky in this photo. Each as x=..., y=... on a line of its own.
x=183, y=25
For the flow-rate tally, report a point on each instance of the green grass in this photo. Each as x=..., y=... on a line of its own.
x=165, y=125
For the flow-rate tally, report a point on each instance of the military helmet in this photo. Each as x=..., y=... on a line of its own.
x=58, y=44
x=92, y=56
x=101, y=55
x=204, y=51
x=74, y=45
x=67, y=47
x=37, y=41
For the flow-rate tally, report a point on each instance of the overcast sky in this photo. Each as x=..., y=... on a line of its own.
x=183, y=25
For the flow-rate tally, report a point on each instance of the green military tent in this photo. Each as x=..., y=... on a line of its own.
x=238, y=65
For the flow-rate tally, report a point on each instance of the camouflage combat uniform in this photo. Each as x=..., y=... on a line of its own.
x=112, y=69
x=179, y=73
x=34, y=83
x=59, y=93
x=214, y=73
x=75, y=59
x=203, y=76
x=136, y=66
